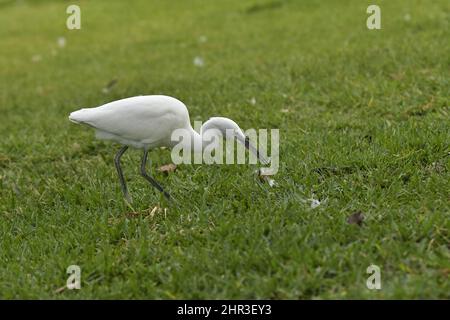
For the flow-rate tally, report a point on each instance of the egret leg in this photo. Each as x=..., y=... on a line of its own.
x=123, y=184
x=149, y=178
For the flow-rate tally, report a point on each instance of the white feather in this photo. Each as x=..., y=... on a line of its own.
x=142, y=122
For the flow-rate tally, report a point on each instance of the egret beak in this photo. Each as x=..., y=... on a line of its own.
x=246, y=142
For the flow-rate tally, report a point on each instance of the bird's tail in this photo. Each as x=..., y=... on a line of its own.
x=79, y=116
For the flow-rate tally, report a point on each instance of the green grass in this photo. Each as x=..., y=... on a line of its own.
x=367, y=129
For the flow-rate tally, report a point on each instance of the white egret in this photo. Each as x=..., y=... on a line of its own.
x=147, y=122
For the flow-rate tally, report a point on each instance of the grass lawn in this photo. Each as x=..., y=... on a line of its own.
x=364, y=127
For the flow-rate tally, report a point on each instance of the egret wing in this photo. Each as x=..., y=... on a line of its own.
x=148, y=119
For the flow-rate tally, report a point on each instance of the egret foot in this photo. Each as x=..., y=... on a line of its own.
x=128, y=198
x=123, y=184
x=152, y=181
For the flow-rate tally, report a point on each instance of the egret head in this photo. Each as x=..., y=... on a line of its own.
x=229, y=129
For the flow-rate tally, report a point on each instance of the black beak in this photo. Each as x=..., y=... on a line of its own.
x=251, y=148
